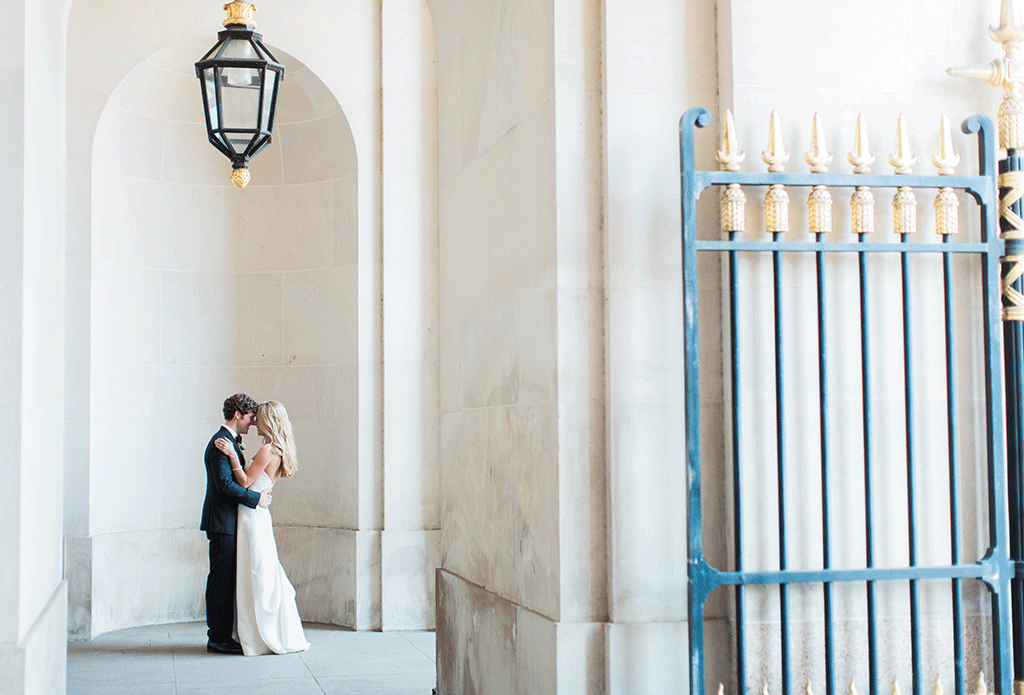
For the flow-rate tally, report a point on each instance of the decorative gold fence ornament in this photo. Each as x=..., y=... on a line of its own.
x=980, y=688
x=1006, y=72
x=733, y=200
x=904, y=203
x=862, y=204
x=819, y=203
x=776, y=201
x=946, y=203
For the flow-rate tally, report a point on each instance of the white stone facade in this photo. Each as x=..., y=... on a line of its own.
x=457, y=265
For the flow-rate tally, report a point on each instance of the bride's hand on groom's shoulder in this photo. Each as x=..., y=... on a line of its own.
x=225, y=448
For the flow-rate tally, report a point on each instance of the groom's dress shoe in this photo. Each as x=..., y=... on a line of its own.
x=231, y=647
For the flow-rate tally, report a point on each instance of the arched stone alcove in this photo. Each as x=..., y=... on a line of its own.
x=200, y=290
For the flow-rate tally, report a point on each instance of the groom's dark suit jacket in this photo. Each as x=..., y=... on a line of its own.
x=223, y=494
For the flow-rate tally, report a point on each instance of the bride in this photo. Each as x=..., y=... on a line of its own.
x=268, y=620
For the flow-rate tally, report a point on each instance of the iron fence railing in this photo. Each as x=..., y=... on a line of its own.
x=994, y=568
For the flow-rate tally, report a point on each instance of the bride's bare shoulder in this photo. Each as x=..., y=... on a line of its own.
x=268, y=451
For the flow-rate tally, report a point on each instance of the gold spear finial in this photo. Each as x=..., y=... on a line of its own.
x=819, y=203
x=1010, y=27
x=895, y=687
x=946, y=160
x=776, y=156
x=901, y=158
x=764, y=688
x=861, y=158
x=853, y=689
x=980, y=688
x=728, y=158
x=1006, y=72
x=807, y=689
x=721, y=689
x=938, y=686
x=819, y=157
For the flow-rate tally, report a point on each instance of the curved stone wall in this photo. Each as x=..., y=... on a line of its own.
x=200, y=290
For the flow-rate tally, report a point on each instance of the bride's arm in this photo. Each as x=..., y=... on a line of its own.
x=258, y=465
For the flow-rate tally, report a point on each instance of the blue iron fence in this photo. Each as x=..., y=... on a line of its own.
x=995, y=567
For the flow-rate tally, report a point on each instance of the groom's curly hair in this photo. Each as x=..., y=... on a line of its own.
x=239, y=402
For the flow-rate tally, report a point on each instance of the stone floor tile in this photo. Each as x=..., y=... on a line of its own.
x=118, y=666
x=165, y=659
x=199, y=666
x=363, y=659
x=424, y=641
x=270, y=686
x=133, y=689
x=391, y=684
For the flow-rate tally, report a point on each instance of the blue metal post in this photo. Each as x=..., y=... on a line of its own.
x=696, y=591
x=959, y=669
x=908, y=397
x=865, y=357
x=737, y=487
x=830, y=676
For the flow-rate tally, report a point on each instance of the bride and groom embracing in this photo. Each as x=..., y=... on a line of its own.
x=244, y=566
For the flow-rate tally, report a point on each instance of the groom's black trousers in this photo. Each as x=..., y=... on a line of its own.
x=220, y=587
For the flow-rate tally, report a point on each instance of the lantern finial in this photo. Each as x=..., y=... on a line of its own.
x=240, y=13
x=240, y=177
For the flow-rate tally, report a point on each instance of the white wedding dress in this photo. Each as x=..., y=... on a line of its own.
x=268, y=620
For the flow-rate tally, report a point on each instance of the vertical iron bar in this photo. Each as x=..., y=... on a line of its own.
x=959, y=668
x=908, y=396
x=692, y=119
x=865, y=353
x=1013, y=346
x=996, y=429
x=780, y=447
x=830, y=688
x=736, y=472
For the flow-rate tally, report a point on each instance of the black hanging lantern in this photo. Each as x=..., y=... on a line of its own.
x=240, y=79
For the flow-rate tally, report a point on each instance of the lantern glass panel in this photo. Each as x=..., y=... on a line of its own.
x=268, y=93
x=238, y=49
x=240, y=97
x=211, y=96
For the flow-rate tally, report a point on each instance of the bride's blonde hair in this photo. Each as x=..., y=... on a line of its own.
x=273, y=419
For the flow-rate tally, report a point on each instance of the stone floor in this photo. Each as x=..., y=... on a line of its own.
x=172, y=660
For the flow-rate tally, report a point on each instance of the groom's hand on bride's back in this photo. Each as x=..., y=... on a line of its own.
x=265, y=499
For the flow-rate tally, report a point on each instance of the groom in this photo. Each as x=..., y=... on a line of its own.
x=220, y=512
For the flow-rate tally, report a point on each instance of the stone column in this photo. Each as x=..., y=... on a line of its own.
x=521, y=589
x=411, y=536
x=34, y=610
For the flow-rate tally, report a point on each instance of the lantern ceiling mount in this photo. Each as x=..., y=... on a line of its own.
x=240, y=81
